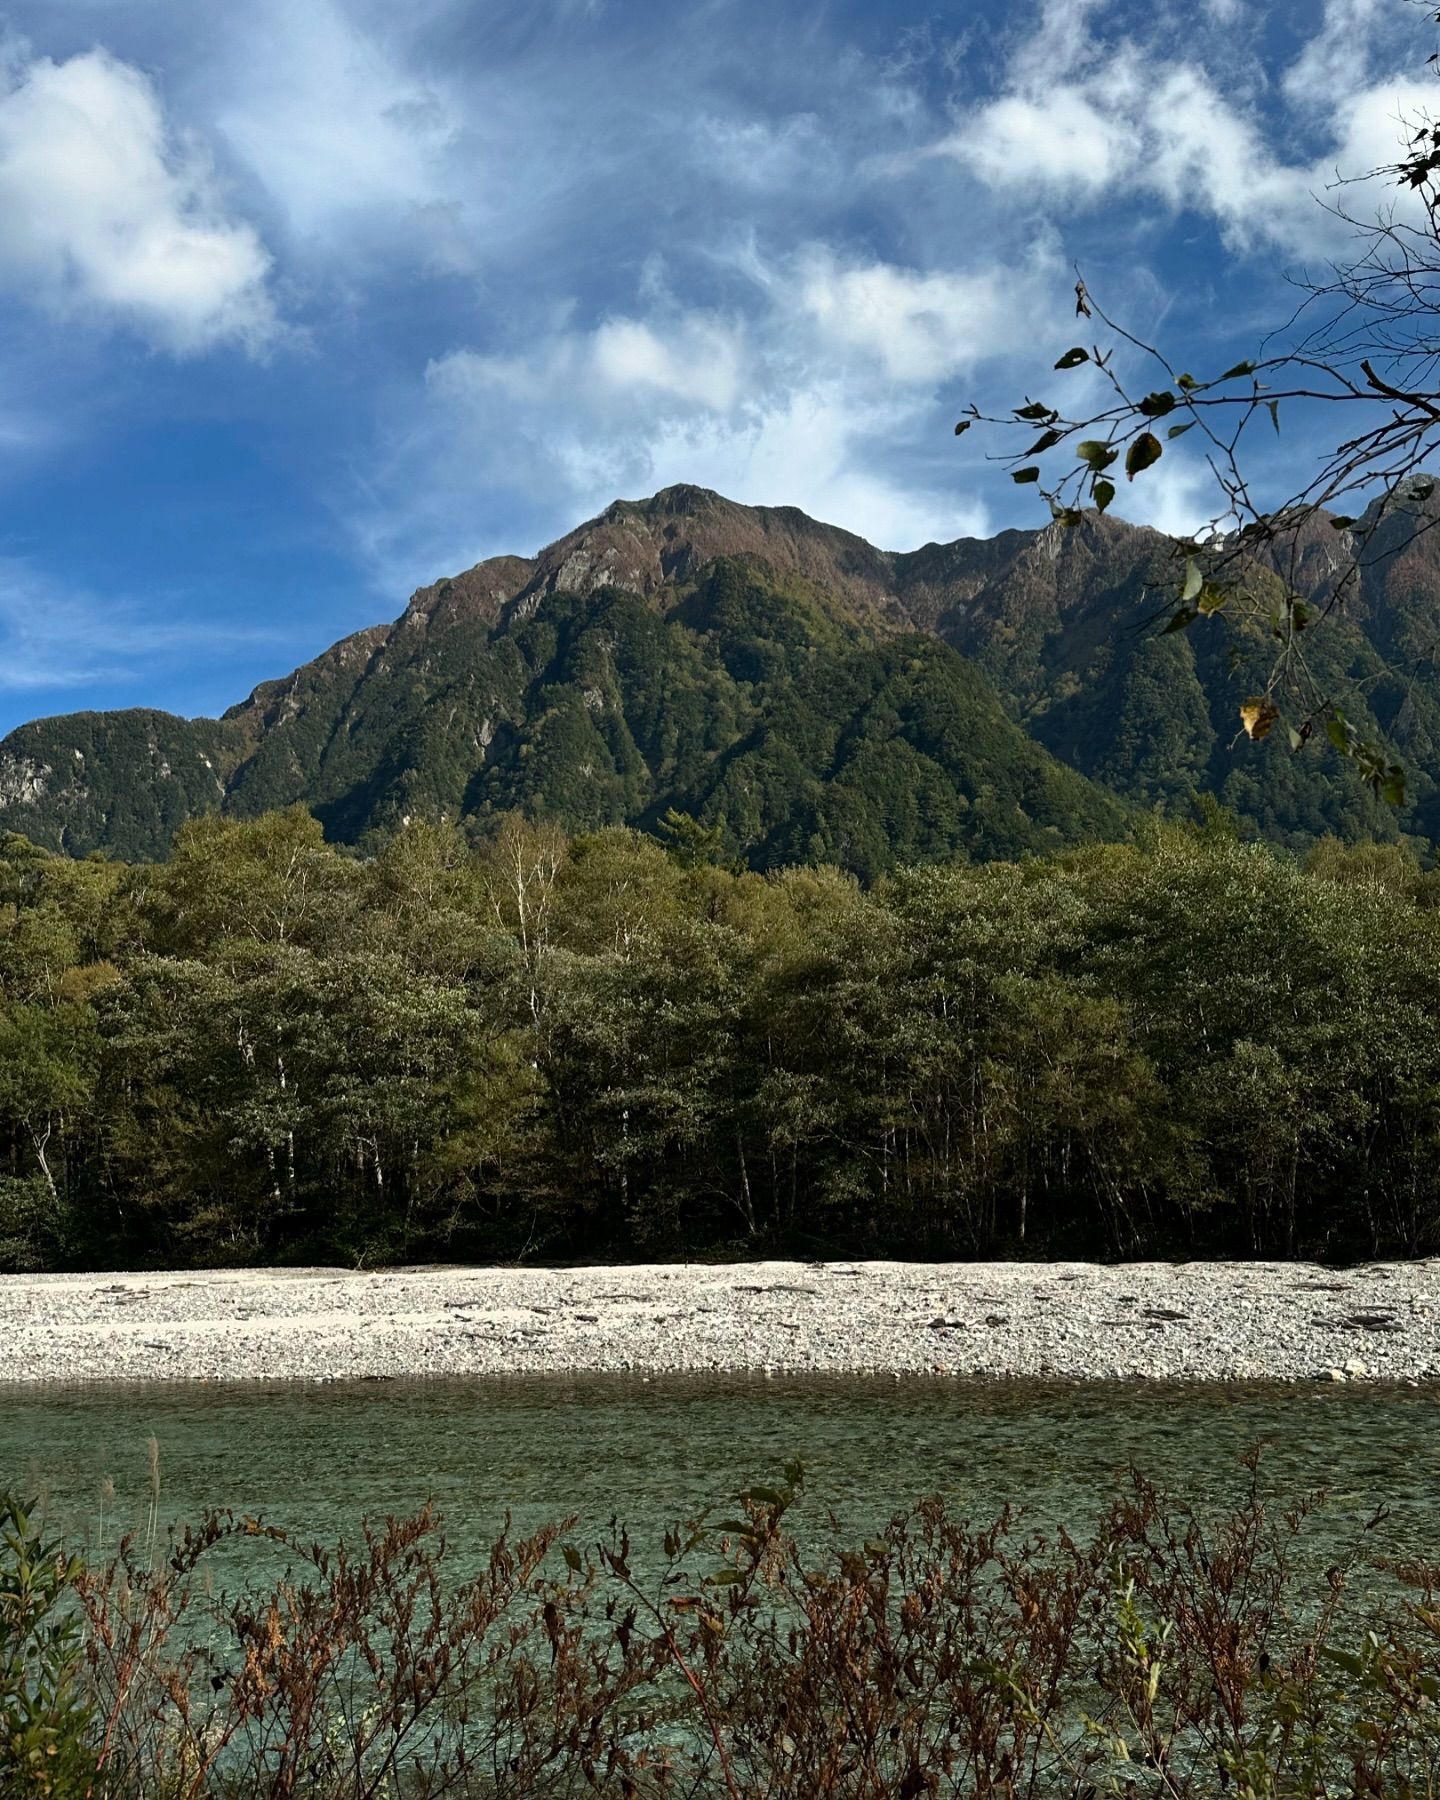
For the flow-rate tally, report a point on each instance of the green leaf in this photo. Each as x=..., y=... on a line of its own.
x=1072, y=359
x=725, y=1578
x=1030, y=474
x=1046, y=441
x=572, y=1557
x=1338, y=733
x=964, y=425
x=1186, y=383
x=1034, y=410
x=1155, y=406
x=1274, y=406
x=1296, y=741
x=1194, y=580
x=1096, y=453
x=1067, y=515
x=1241, y=368
x=1392, y=788
x=767, y=1496
x=1102, y=494
x=1181, y=621
x=1141, y=454
x=1180, y=430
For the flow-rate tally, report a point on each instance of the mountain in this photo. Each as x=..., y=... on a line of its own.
x=1067, y=625
x=746, y=666
x=817, y=697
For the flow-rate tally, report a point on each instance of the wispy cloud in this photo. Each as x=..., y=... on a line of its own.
x=1340, y=56
x=55, y=637
x=812, y=389
x=352, y=147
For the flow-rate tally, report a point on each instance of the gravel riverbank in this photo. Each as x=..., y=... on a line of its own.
x=1196, y=1321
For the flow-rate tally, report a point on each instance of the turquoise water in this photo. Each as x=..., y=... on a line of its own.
x=319, y=1458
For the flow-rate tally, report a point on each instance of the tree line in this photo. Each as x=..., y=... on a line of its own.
x=270, y=1049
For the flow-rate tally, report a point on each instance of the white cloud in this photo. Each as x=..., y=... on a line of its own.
x=625, y=367
x=761, y=154
x=798, y=439
x=104, y=210
x=918, y=328
x=1056, y=45
x=698, y=363
x=1177, y=497
x=1337, y=58
x=811, y=447
x=1079, y=126
x=1061, y=147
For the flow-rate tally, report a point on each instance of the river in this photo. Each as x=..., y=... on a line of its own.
x=319, y=1457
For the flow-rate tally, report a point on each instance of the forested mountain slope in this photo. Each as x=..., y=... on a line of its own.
x=1069, y=626
x=786, y=681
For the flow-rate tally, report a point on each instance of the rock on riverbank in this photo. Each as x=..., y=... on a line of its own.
x=1192, y=1321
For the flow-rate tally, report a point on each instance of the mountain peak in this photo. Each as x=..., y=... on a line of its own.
x=681, y=500
x=645, y=545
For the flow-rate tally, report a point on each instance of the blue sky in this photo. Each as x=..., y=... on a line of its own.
x=304, y=303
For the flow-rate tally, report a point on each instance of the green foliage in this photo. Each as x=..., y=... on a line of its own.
x=1154, y=714
x=123, y=782
x=784, y=736
x=32, y=1224
x=1186, y=1044
x=46, y=1743
x=748, y=701
x=690, y=842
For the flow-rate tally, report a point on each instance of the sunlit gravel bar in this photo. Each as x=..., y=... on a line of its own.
x=1160, y=1321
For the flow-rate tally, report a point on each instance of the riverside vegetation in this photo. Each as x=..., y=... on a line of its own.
x=270, y=1049
x=1165, y=1653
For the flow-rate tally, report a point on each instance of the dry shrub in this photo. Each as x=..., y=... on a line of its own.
x=1165, y=1654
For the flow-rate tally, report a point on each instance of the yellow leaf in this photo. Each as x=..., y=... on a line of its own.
x=1257, y=715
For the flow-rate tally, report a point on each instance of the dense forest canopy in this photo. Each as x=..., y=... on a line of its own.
x=267, y=1048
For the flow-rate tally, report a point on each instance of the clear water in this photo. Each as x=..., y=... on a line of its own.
x=319, y=1458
